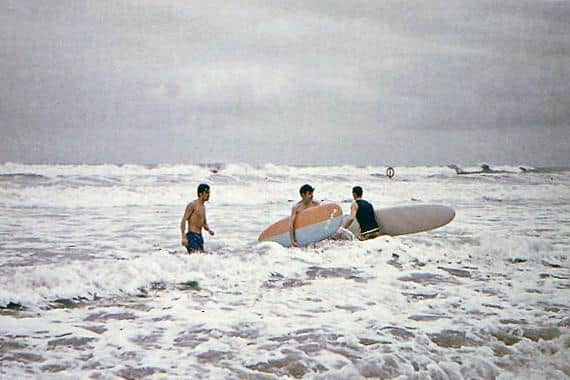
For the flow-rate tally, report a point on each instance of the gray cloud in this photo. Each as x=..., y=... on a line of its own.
x=180, y=81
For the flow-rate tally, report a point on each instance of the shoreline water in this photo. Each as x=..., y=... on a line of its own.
x=92, y=255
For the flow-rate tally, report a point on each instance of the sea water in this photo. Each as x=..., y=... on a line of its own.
x=94, y=282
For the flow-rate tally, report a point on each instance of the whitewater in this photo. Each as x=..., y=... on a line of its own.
x=94, y=282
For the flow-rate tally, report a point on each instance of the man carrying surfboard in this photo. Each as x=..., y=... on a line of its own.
x=195, y=216
x=363, y=211
x=306, y=192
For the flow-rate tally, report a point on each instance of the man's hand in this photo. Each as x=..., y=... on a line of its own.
x=184, y=241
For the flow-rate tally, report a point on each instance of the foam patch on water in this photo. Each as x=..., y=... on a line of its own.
x=98, y=284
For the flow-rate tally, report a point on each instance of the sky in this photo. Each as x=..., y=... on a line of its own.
x=296, y=82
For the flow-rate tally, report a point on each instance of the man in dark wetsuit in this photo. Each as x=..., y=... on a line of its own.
x=195, y=216
x=363, y=212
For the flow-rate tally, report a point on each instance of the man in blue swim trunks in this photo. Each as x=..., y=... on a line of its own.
x=195, y=216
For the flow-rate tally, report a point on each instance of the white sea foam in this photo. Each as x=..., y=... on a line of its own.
x=91, y=257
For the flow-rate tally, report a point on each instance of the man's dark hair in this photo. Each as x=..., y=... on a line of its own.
x=357, y=190
x=306, y=188
x=203, y=187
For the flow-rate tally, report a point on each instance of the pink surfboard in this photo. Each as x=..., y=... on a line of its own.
x=311, y=225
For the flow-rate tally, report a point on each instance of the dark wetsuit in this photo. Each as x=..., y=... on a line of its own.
x=195, y=242
x=366, y=217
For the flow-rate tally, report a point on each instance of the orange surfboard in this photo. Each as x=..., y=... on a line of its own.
x=311, y=225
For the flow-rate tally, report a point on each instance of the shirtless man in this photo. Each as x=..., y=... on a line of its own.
x=195, y=215
x=306, y=202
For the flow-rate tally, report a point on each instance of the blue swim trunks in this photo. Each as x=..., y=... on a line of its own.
x=195, y=242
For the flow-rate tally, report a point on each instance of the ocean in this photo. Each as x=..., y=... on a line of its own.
x=94, y=282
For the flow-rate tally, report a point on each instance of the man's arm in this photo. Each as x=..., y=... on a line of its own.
x=291, y=226
x=189, y=210
x=352, y=216
x=206, y=227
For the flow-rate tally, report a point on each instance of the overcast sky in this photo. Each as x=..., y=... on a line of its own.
x=299, y=82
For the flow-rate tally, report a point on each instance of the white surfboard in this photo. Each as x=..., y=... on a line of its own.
x=409, y=219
